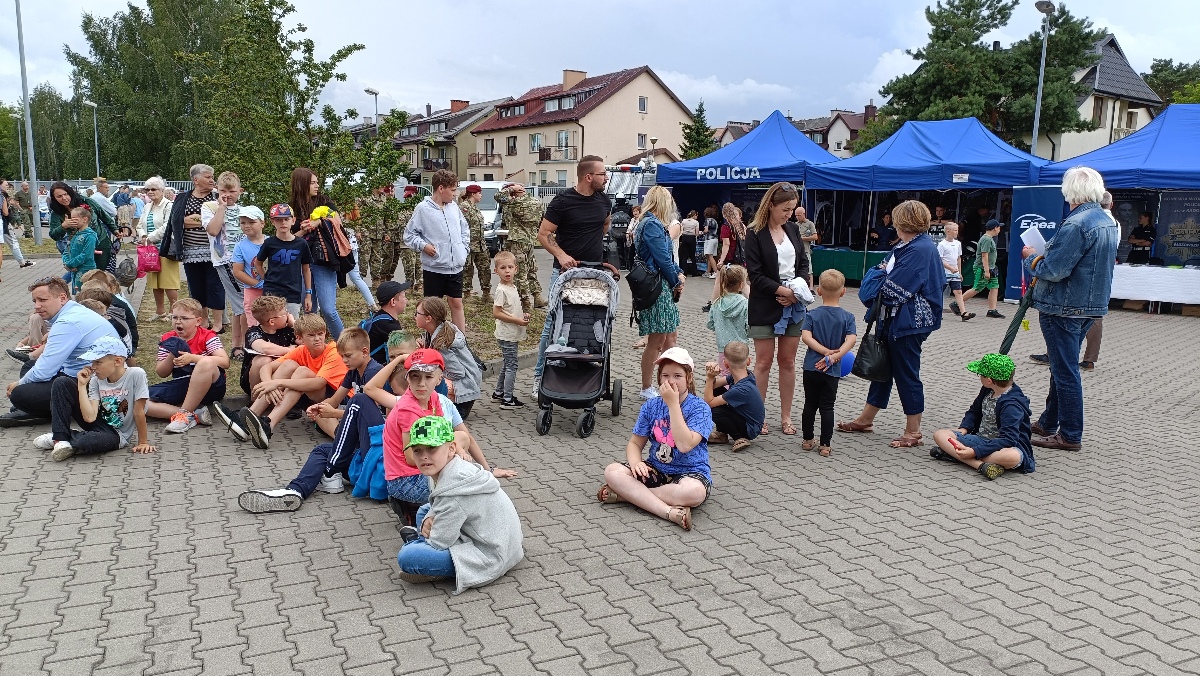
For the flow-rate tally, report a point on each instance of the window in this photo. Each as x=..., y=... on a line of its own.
x=535, y=143
x=542, y=176
x=510, y=145
x=488, y=177
x=409, y=131
x=425, y=153
x=532, y=178
x=562, y=177
x=568, y=102
x=564, y=138
x=817, y=137
x=641, y=141
x=551, y=105
x=1131, y=119
x=512, y=111
x=1098, y=111
x=643, y=104
x=837, y=146
x=471, y=177
x=436, y=127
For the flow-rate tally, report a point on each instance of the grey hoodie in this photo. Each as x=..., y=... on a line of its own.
x=443, y=227
x=475, y=520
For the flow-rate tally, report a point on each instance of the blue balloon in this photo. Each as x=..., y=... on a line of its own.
x=847, y=363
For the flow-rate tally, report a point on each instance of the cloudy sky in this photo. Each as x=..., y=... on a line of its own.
x=744, y=59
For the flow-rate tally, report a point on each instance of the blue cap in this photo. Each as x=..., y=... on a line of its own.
x=104, y=346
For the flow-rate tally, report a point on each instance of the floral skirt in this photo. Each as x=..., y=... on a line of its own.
x=662, y=317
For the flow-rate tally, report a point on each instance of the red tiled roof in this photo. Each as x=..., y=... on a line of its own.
x=853, y=121
x=603, y=86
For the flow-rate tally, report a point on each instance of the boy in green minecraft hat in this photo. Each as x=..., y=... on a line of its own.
x=994, y=435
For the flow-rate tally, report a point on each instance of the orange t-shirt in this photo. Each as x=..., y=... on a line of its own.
x=327, y=365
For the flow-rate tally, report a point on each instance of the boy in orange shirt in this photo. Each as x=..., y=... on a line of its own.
x=314, y=369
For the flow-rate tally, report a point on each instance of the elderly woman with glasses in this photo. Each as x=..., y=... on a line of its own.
x=151, y=228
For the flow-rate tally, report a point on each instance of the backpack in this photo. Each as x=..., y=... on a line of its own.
x=366, y=325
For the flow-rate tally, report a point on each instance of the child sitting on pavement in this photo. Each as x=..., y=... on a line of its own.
x=830, y=334
x=469, y=531
x=737, y=406
x=194, y=357
x=97, y=300
x=675, y=477
x=270, y=337
x=995, y=434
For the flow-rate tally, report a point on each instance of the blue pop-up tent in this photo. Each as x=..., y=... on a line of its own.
x=773, y=151
x=1163, y=155
x=941, y=155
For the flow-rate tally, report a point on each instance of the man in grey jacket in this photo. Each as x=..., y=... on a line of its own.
x=440, y=232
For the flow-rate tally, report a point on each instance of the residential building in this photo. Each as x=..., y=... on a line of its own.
x=732, y=131
x=442, y=139
x=843, y=129
x=1118, y=102
x=542, y=134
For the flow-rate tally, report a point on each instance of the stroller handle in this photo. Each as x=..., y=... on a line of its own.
x=600, y=265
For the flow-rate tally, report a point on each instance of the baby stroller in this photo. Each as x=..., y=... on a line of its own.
x=583, y=304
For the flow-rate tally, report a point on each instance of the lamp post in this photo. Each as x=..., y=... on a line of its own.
x=1047, y=9
x=20, y=143
x=96, y=131
x=375, y=93
x=37, y=230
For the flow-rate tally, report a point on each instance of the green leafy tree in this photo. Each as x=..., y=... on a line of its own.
x=10, y=159
x=1168, y=78
x=697, y=135
x=1189, y=94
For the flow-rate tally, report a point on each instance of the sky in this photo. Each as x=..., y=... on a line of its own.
x=744, y=60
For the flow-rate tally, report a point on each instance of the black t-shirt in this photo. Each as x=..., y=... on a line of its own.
x=1141, y=254
x=381, y=327
x=580, y=220
x=355, y=381
x=285, y=337
x=284, y=276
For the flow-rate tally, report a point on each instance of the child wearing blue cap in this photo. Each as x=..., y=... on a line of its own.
x=994, y=435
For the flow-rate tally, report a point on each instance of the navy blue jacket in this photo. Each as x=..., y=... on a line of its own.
x=914, y=288
x=1012, y=421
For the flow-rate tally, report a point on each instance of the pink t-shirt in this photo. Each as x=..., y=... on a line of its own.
x=402, y=416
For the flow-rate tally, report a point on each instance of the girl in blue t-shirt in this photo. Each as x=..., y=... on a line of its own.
x=675, y=477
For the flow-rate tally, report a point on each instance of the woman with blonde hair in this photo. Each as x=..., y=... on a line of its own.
x=912, y=309
x=774, y=256
x=652, y=243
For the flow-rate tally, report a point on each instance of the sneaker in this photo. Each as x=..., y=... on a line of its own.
x=17, y=356
x=954, y=307
x=44, y=442
x=62, y=451
x=995, y=314
x=710, y=275
x=649, y=393
x=938, y=454
x=230, y=419
x=27, y=264
x=409, y=533
x=203, y=417
x=279, y=500
x=497, y=396
x=258, y=427
x=990, y=470
x=1087, y=366
x=707, y=307
x=332, y=484
x=968, y=316
x=512, y=403
x=1040, y=359
x=181, y=422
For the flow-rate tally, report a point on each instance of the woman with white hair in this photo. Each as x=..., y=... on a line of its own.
x=1074, y=280
x=151, y=228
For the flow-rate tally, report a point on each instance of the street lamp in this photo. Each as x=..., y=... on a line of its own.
x=1047, y=9
x=37, y=230
x=96, y=131
x=20, y=143
x=375, y=93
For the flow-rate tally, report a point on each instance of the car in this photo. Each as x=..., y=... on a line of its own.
x=493, y=224
x=44, y=209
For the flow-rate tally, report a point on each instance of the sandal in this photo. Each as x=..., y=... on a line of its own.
x=608, y=496
x=740, y=445
x=639, y=343
x=788, y=428
x=825, y=451
x=808, y=445
x=907, y=442
x=238, y=354
x=680, y=516
x=765, y=430
x=718, y=438
x=853, y=426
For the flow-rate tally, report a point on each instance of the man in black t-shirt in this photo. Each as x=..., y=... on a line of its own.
x=573, y=230
x=392, y=301
x=1142, y=239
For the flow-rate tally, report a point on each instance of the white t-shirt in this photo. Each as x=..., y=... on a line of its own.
x=950, y=253
x=508, y=299
x=787, y=259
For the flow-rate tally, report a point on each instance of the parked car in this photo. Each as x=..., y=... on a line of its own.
x=44, y=209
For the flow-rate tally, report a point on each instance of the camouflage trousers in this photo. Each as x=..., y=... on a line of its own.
x=526, y=280
x=481, y=261
x=412, y=270
x=384, y=255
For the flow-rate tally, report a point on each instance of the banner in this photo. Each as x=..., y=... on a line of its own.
x=1040, y=207
x=1128, y=206
x=1178, y=227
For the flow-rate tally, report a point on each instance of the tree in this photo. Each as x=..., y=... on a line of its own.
x=10, y=160
x=1189, y=94
x=697, y=135
x=1168, y=78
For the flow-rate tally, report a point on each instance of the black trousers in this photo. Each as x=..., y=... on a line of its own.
x=95, y=437
x=820, y=392
x=729, y=421
x=687, y=255
x=34, y=398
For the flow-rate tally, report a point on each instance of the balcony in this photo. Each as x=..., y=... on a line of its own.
x=558, y=154
x=485, y=160
x=435, y=163
x=1121, y=132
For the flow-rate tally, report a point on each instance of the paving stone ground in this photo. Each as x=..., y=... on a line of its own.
x=872, y=561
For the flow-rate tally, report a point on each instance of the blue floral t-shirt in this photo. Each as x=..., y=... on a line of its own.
x=654, y=422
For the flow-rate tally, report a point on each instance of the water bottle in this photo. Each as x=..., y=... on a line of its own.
x=562, y=340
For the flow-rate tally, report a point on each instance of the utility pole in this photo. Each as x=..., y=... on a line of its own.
x=37, y=220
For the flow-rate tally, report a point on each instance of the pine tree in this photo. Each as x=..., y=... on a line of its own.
x=1168, y=78
x=697, y=135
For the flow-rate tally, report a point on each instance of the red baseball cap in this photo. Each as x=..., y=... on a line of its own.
x=424, y=360
x=281, y=211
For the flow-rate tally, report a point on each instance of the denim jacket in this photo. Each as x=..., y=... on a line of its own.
x=1075, y=275
x=654, y=249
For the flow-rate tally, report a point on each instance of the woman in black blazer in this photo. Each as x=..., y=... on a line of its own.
x=772, y=238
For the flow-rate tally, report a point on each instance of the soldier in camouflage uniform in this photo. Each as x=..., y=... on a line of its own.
x=27, y=209
x=522, y=218
x=477, y=253
x=399, y=251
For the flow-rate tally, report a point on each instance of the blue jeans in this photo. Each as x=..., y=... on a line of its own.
x=414, y=489
x=356, y=279
x=324, y=281
x=1064, y=404
x=905, y=356
x=352, y=434
x=420, y=558
x=545, y=341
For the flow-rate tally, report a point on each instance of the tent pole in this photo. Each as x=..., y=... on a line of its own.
x=867, y=233
x=958, y=206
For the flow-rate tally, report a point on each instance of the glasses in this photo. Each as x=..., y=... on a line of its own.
x=787, y=187
x=177, y=318
x=423, y=314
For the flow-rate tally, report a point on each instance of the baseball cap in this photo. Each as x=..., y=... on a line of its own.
x=677, y=355
x=281, y=211
x=473, y=188
x=104, y=346
x=432, y=430
x=389, y=290
x=252, y=212
x=424, y=360
x=994, y=366
x=993, y=223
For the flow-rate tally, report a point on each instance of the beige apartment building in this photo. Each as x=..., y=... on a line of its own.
x=538, y=137
x=441, y=139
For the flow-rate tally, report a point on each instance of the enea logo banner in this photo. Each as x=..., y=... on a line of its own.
x=727, y=173
x=1026, y=221
x=1040, y=207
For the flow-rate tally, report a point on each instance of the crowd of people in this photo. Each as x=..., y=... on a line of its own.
x=394, y=406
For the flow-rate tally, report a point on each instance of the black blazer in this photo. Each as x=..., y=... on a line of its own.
x=762, y=266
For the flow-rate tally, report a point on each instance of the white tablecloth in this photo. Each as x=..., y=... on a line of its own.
x=1168, y=285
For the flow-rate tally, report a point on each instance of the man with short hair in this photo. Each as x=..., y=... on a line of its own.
x=522, y=215
x=808, y=235
x=100, y=197
x=573, y=230
x=125, y=210
x=73, y=329
x=440, y=232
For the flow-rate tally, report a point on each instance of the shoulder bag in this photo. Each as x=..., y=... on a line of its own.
x=645, y=285
x=872, y=362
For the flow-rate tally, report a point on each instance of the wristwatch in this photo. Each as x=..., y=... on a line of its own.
x=308, y=292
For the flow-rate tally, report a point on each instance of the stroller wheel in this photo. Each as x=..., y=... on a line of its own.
x=585, y=425
x=544, y=419
x=616, y=398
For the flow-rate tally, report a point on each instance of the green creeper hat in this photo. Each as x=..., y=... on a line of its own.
x=432, y=430
x=994, y=366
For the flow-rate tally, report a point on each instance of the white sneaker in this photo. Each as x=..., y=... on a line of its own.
x=649, y=393
x=181, y=422
x=331, y=484
x=278, y=500
x=203, y=417
x=62, y=451
x=44, y=442
x=537, y=387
